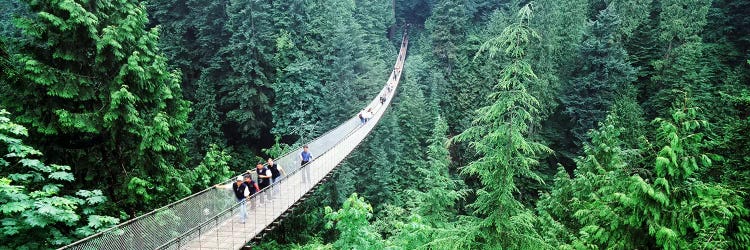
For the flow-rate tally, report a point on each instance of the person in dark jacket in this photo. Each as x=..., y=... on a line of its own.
x=276, y=172
x=241, y=193
x=264, y=179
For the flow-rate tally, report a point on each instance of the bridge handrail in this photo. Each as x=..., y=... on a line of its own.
x=356, y=129
x=296, y=169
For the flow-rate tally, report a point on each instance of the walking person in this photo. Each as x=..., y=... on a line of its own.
x=252, y=188
x=368, y=115
x=361, y=116
x=241, y=193
x=382, y=99
x=264, y=177
x=276, y=172
x=305, y=156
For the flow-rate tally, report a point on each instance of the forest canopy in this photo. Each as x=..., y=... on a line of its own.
x=577, y=124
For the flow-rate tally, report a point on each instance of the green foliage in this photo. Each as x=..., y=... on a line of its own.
x=95, y=91
x=500, y=135
x=245, y=92
x=35, y=209
x=277, y=149
x=603, y=75
x=352, y=223
x=9, y=10
x=586, y=203
x=414, y=121
x=440, y=191
x=206, y=129
x=213, y=169
x=447, y=25
x=664, y=204
x=296, y=92
x=685, y=67
x=682, y=20
x=676, y=204
x=632, y=14
x=733, y=140
x=87, y=80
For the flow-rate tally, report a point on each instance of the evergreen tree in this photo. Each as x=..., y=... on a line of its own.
x=352, y=222
x=297, y=92
x=345, y=88
x=191, y=32
x=95, y=92
x=213, y=169
x=632, y=14
x=436, y=202
x=587, y=204
x=413, y=11
x=8, y=11
x=601, y=77
x=556, y=57
x=389, y=171
x=206, y=129
x=614, y=204
x=563, y=24
x=375, y=18
x=245, y=93
x=414, y=121
x=683, y=67
x=467, y=88
x=677, y=209
x=447, y=25
x=500, y=135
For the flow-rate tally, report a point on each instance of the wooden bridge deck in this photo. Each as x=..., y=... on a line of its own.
x=232, y=234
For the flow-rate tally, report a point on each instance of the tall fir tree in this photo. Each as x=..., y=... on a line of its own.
x=441, y=190
x=501, y=134
x=297, y=92
x=191, y=32
x=447, y=26
x=683, y=66
x=677, y=208
x=586, y=206
x=414, y=121
x=245, y=93
x=602, y=76
x=344, y=87
x=206, y=126
x=95, y=91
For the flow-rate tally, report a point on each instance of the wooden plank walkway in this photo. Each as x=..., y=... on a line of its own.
x=261, y=212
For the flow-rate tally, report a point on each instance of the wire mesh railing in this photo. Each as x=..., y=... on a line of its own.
x=211, y=218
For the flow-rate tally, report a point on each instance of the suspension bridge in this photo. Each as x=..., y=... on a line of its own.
x=210, y=219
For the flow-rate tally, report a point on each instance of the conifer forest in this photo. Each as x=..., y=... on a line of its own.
x=517, y=124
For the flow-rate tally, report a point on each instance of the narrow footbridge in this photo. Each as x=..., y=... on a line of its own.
x=210, y=219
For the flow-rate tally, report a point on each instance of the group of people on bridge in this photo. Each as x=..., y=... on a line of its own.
x=244, y=186
x=367, y=114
